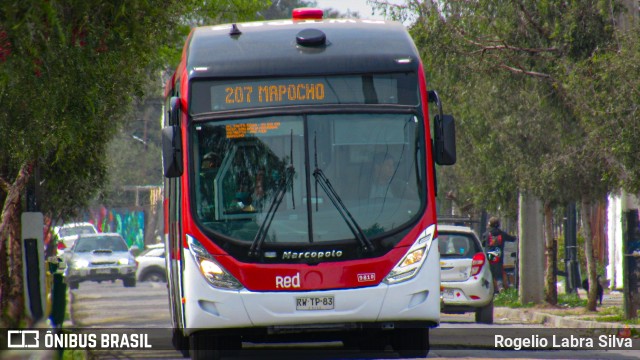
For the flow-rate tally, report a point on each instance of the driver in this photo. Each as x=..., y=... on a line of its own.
x=208, y=169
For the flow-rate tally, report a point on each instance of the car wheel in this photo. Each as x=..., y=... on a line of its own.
x=154, y=276
x=129, y=282
x=484, y=315
x=413, y=343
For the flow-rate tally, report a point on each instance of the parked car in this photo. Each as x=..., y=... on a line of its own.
x=151, y=264
x=466, y=282
x=100, y=257
x=67, y=234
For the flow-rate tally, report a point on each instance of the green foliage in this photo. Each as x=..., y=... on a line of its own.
x=509, y=298
x=74, y=354
x=571, y=300
x=70, y=71
x=615, y=314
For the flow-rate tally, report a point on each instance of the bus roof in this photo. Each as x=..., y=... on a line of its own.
x=270, y=49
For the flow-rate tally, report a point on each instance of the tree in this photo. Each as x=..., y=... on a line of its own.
x=515, y=72
x=69, y=71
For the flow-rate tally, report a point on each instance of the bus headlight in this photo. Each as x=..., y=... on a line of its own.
x=410, y=264
x=213, y=272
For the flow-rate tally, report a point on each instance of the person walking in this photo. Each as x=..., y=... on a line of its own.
x=493, y=241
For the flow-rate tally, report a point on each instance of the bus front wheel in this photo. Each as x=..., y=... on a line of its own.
x=203, y=345
x=411, y=342
x=180, y=342
x=208, y=345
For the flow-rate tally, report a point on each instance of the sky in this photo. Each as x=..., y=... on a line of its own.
x=360, y=6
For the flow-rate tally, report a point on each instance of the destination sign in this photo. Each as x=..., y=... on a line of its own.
x=212, y=96
x=248, y=94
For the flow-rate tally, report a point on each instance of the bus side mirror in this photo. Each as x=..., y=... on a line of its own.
x=445, y=140
x=174, y=110
x=172, y=151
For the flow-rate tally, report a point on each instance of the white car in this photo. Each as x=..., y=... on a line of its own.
x=67, y=234
x=151, y=264
x=466, y=282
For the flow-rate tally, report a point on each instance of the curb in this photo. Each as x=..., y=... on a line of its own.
x=539, y=317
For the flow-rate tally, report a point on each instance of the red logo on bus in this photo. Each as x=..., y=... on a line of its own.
x=285, y=282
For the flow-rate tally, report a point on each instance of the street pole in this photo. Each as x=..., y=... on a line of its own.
x=630, y=264
x=531, y=266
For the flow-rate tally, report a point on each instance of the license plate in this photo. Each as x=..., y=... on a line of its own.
x=103, y=271
x=447, y=294
x=315, y=303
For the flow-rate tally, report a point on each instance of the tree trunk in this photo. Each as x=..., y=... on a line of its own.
x=11, y=287
x=4, y=278
x=16, y=305
x=551, y=290
x=592, y=295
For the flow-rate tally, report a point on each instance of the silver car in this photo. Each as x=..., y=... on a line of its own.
x=466, y=282
x=100, y=257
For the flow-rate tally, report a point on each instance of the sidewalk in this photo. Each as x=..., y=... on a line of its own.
x=575, y=317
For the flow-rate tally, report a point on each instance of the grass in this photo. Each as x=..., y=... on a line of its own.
x=613, y=314
x=568, y=305
x=74, y=355
x=571, y=300
x=509, y=298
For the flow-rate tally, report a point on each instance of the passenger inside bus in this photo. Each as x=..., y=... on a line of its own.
x=243, y=200
x=384, y=170
x=244, y=182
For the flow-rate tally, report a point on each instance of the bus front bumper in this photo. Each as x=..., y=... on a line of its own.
x=413, y=301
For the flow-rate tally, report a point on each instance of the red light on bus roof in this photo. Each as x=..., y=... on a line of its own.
x=307, y=14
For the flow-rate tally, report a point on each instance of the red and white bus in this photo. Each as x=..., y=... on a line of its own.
x=300, y=186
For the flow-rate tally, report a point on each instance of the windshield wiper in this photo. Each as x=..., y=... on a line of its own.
x=325, y=184
x=261, y=235
x=285, y=183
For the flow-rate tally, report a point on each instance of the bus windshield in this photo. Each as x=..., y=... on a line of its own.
x=252, y=173
x=263, y=172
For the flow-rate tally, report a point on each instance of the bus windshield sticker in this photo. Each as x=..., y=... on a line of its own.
x=235, y=131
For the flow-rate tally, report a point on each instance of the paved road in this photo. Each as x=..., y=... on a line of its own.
x=110, y=305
